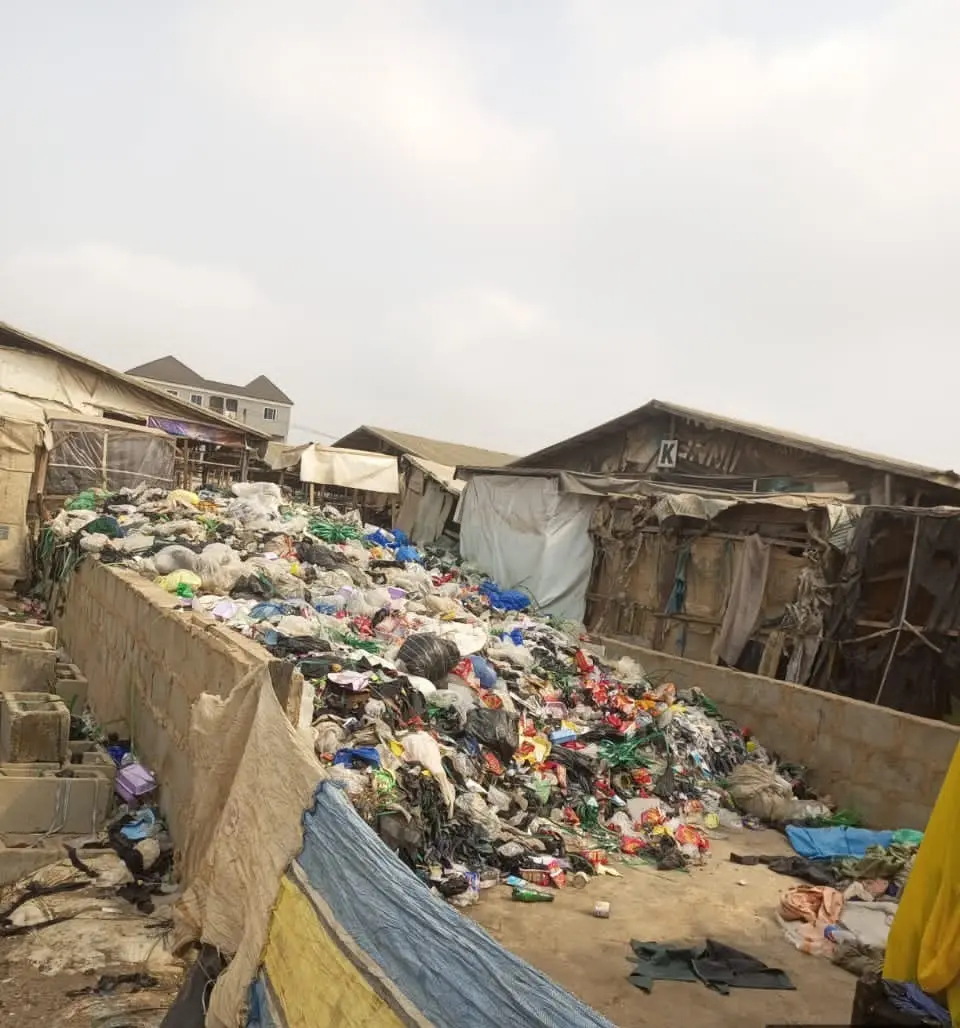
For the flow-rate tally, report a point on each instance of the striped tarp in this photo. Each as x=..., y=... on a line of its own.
x=356, y=939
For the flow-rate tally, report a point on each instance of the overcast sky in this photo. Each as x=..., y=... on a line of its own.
x=500, y=222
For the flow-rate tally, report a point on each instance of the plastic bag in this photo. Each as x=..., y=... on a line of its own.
x=185, y=529
x=474, y=808
x=174, y=558
x=496, y=729
x=176, y=579
x=220, y=568
x=296, y=627
x=275, y=572
x=428, y=656
x=519, y=656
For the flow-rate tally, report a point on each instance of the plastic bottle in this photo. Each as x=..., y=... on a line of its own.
x=837, y=933
x=531, y=896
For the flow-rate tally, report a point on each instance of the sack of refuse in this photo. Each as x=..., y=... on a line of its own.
x=758, y=790
x=428, y=656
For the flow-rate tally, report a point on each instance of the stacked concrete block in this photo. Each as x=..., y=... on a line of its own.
x=27, y=668
x=71, y=795
x=47, y=783
x=28, y=635
x=34, y=729
x=90, y=756
x=72, y=687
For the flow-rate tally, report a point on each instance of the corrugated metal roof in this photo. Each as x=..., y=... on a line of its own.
x=876, y=461
x=436, y=450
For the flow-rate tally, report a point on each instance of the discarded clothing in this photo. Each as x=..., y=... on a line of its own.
x=826, y=843
x=878, y=862
x=796, y=867
x=870, y=922
x=858, y=959
x=805, y=912
x=818, y=905
x=718, y=966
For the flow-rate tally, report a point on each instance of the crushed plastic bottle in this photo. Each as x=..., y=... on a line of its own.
x=522, y=895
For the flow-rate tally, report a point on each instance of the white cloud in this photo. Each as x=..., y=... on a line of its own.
x=148, y=277
x=370, y=77
x=873, y=105
x=125, y=307
x=480, y=320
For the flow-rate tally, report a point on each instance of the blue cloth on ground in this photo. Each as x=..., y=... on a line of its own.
x=824, y=843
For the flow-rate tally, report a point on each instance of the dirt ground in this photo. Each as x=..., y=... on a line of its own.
x=586, y=955
x=589, y=956
x=30, y=999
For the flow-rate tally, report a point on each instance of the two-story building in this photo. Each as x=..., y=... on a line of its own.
x=260, y=404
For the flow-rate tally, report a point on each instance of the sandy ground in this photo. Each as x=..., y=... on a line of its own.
x=586, y=955
x=29, y=999
x=589, y=956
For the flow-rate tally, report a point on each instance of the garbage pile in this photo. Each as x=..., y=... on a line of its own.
x=482, y=741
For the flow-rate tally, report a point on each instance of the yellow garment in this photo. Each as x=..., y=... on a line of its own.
x=924, y=943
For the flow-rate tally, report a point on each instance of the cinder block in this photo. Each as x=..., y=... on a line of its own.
x=34, y=728
x=27, y=668
x=74, y=802
x=72, y=687
x=28, y=635
x=91, y=756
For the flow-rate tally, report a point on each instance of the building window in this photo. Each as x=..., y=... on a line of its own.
x=197, y=399
x=173, y=392
x=269, y=413
x=216, y=403
x=231, y=406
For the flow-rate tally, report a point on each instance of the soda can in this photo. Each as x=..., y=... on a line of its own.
x=601, y=909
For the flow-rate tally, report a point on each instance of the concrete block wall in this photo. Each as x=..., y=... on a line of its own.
x=885, y=764
x=146, y=662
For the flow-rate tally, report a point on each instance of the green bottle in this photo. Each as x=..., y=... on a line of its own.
x=522, y=895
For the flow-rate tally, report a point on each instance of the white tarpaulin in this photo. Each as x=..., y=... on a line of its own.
x=526, y=534
x=349, y=469
x=19, y=441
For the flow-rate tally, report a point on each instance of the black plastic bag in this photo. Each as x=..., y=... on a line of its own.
x=429, y=656
x=496, y=729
